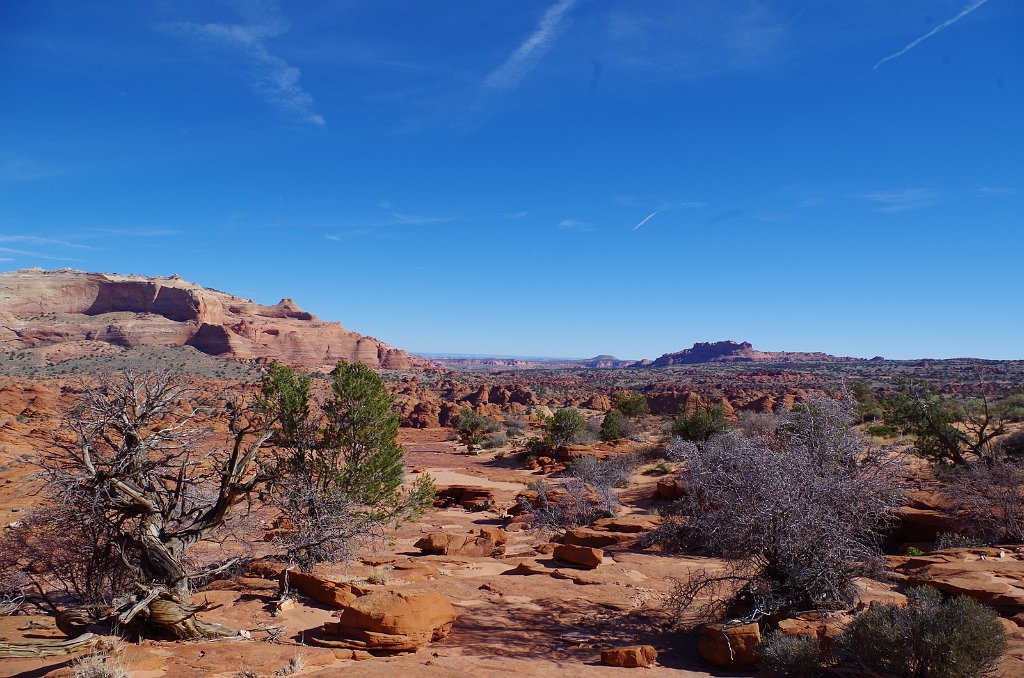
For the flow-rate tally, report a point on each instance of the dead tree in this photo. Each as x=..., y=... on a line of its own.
x=137, y=464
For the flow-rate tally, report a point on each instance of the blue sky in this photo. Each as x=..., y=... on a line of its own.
x=471, y=176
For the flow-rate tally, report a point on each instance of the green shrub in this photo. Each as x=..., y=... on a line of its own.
x=699, y=424
x=663, y=467
x=882, y=430
x=1012, y=407
x=631, y=405
x=783, y=656
x=612, y=425
x=868, y=407
x=470, y=426
x=927, y=638
x=565, y=426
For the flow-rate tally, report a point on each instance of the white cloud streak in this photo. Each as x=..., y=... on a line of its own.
x=35, y=240
x=902, y=200
x=574, y=225
x=973, y=5
x=37, y=255
x=509, y=74
x=645, y=220
x=274, y=79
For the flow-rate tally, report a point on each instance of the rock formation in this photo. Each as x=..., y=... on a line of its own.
x=731, y=352
x=40, y=308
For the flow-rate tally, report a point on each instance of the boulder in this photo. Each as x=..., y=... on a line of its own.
x=636, y=656
x=321, y=589
x=670, y=488
x=495, y=534
x=581, y=556
x=466, y=545
x=728, y=645
x=598, y=402
x=393, y=621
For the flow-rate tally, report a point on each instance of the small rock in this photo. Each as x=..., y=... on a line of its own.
x=582, y=556
x=728, y=646
x=635, y=656
x=495, y=534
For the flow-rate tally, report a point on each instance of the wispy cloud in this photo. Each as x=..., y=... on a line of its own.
x=902, y=200
x=510, y=73
x=995, y=191
x=514, y=215
x=645, y=220
x=725, y=216
x=574, y=225
x=274, y=79
x=35, y=255
x=417, y=219
x=393, y=218
x=140, y=232
x=14, y=168
x=971, y=6
x=338, y=237
x=659, y=204
x=697, y=40
x=35, y=240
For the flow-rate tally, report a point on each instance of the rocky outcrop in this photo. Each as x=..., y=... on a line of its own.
x=42, y=308
x=392, y=621
x=732, y=352
x=469, y=498
x=993, y=576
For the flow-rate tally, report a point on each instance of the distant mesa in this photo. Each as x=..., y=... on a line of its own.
x=732, y=352
x=41, y=308
x=606, y=362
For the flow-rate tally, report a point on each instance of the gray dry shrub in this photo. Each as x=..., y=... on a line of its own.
x=99, y=665
x=571, y=504
x=987, y=497
x=798, y=515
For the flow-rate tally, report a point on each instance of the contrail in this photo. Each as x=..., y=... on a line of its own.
x=646, y=219
x=532, y=49
x=975, y=4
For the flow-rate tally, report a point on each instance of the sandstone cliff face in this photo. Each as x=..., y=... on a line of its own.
x=40, y=308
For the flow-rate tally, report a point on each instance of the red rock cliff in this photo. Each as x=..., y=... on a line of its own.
x=39, y=308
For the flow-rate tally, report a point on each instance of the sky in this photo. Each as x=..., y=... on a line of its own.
x=554, y=177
